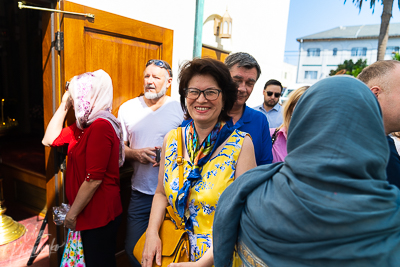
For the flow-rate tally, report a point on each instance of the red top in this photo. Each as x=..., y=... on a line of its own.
x=93, y=153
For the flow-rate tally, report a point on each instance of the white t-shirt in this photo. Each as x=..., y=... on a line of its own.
x=143, y=127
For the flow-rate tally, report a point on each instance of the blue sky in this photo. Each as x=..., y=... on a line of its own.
x=312, y=16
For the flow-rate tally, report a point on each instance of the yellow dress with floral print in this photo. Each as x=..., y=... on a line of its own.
x=217, y=175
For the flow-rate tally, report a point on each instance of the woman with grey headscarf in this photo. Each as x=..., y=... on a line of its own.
x=329, y=203
x=95, y=153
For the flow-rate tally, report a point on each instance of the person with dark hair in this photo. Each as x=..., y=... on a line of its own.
x=145, y=121
x=214, y=156
x=95, y=153
x=329, y=203
x=271, y=107
x=383, y=78
x=245, y=72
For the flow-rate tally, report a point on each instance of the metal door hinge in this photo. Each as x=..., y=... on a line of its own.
x=59, y=41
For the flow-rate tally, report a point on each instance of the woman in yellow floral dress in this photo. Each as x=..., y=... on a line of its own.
x=214, y=156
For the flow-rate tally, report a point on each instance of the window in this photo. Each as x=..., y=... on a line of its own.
x=313, y=52
x=358, y=51
x=391, y=50
x=311, y=74
x=334, y=52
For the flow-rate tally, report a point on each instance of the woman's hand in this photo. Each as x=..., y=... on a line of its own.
x=67, y=99
x=70, y=221
x=185, y=264
x=55, y=125
x=152, y=249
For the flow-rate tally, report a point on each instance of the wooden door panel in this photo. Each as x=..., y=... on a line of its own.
x=119, y=62
x=119, y=45
x=214, y=53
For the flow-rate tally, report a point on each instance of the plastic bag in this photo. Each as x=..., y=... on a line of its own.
x=59, y=213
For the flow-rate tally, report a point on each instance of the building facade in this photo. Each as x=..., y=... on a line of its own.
x=322, y=52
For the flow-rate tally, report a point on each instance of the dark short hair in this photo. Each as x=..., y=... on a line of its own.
x=273, y=82
x=221, y=74
x=243, y=60
x=378, y=70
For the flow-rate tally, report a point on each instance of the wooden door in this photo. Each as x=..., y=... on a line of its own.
x=118, y=45
x=121, y=47
x=214, y=53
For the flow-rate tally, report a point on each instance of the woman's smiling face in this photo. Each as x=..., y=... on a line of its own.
x=204, y=112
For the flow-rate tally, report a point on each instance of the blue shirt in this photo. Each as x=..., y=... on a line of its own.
x=274, y=116
x=256, y=124
x=393, y=167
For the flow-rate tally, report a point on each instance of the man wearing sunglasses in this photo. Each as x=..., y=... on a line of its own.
x=245, y=71
x=145, y=120
x=271, y=107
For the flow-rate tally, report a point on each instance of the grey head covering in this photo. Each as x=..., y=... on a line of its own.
x=329, y=203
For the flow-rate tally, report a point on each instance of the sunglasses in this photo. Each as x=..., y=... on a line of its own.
x=277, y=95
x=161, y=64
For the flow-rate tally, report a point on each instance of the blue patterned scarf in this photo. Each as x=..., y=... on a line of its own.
x=199, y=155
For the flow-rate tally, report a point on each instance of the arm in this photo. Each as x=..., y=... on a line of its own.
x=143, y=155
x=246, y=160
x=206, y=260
x=85, y=194
x=56, y=123
x=152, y=247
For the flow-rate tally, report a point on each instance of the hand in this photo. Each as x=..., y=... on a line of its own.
x=70, y=221
x=185, y=264
x=146, y=155
x=152, y=249
x=67, y=99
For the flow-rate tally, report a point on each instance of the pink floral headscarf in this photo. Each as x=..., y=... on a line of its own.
x=92, y=93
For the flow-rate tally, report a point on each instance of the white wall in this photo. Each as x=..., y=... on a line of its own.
x=259, y=28
x=289, y=73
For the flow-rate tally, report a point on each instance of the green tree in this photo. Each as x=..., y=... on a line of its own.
x=396, y=56
x=385, y=20
x=350, y=68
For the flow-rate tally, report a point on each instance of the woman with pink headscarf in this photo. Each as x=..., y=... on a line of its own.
x=95, y=153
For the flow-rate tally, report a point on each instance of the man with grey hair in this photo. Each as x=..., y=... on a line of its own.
x=383, y=78
x=145, y=120
x=245, y=71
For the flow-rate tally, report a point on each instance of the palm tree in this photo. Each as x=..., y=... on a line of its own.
x=385, y=19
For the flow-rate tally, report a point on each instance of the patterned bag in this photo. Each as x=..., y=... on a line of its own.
x=73, y=251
